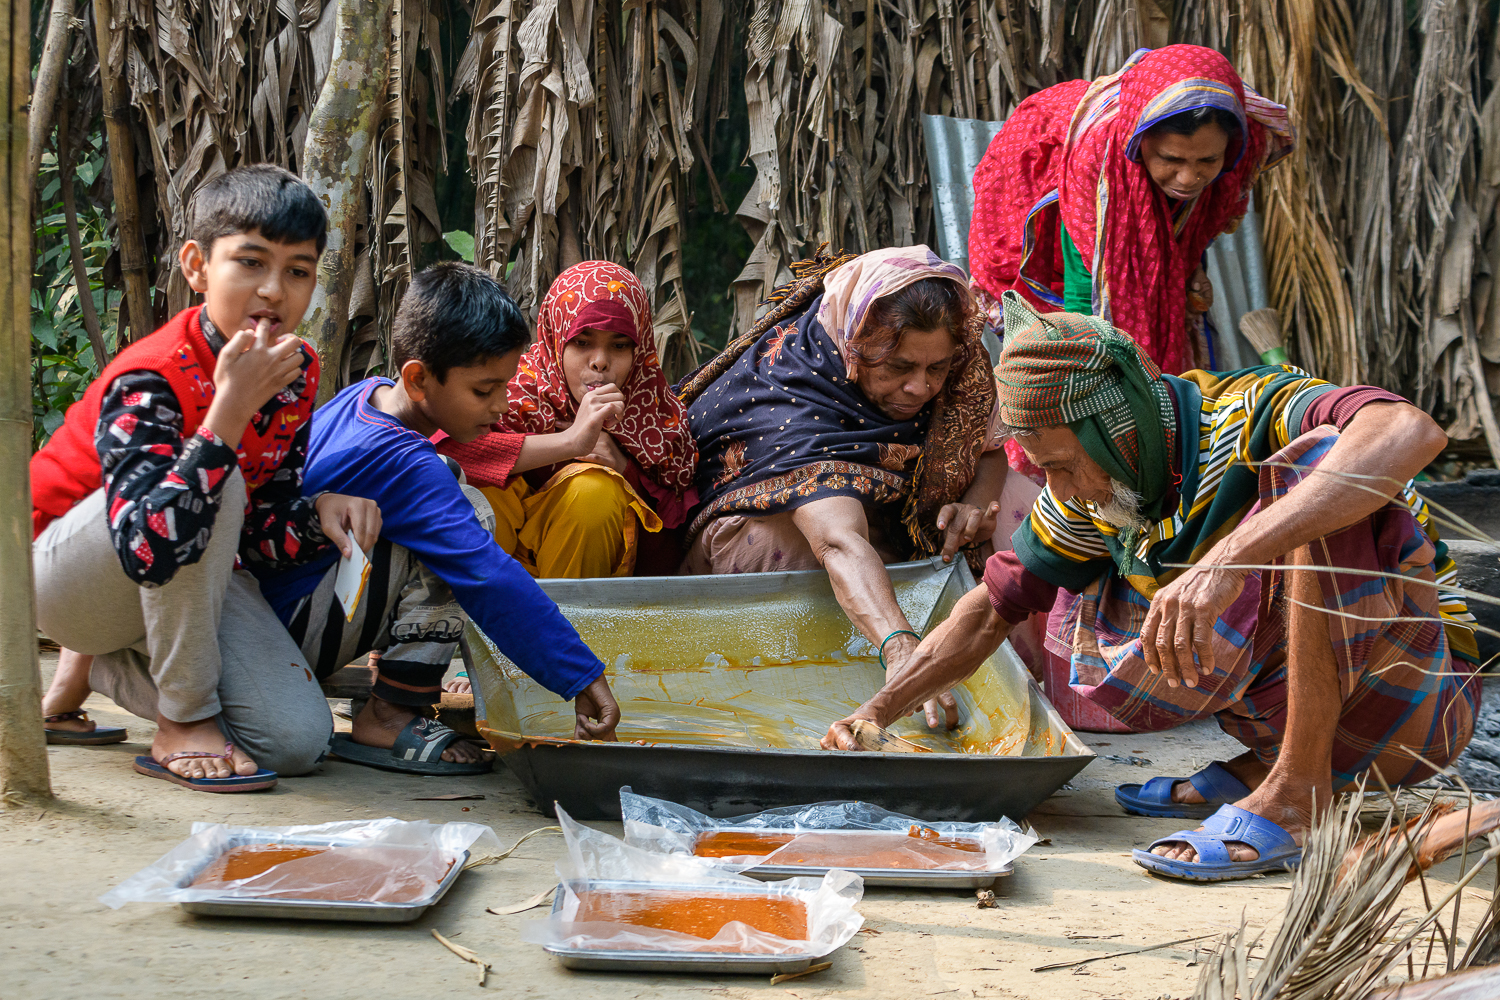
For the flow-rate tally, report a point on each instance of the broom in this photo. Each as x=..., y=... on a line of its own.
x=1263, y=329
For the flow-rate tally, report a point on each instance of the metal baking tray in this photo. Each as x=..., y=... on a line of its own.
x=596, y=960
x=726, y=684
x=909, y=878
x=315, y=909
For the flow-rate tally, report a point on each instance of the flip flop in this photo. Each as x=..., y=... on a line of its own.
x=1278, y=852
x=1154, y=798
x=257, y=782
x=418, y=750
x=97, y=736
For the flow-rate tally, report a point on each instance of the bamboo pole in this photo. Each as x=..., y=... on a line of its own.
x=49, y=75
x=340, y=132
x=23, y=748
x=111, y=45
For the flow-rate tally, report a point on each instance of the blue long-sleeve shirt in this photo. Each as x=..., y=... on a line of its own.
x=357, y=450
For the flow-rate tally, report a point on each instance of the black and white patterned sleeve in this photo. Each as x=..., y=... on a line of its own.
x=162, y=491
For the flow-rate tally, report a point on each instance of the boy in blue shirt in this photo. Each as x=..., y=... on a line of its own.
x=457, y=340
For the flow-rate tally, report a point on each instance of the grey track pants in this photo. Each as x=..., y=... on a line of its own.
x=205, y=644
x=407, y=613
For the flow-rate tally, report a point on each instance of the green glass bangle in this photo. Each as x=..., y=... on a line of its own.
x=899, y=631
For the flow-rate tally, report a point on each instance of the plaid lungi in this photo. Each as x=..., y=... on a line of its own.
x=1402, y=690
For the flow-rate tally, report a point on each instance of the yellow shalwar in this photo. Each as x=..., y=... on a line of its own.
x=582, y=523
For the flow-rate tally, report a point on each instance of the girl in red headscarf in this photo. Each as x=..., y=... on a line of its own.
x=1101, y=197
x=602, y=440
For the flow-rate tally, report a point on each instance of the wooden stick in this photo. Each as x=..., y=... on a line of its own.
x=23, y=747
x=782, y=977
x=1482, y=398
x=121, y=143
x=75, y=239
x=49, y=75
x=1122, y=954
x=467, y=954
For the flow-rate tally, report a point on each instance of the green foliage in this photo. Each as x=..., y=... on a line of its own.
x=715, y=245
x=63, y=362
x=461, y=243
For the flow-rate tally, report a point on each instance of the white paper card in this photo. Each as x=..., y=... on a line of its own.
x=349, y=585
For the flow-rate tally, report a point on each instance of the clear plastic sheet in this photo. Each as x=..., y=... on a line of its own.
x=666, y=828
x=600, y=868
x=371, y=861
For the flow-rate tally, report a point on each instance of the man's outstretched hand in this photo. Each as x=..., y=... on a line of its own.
x=841, y=733
x=596, y=712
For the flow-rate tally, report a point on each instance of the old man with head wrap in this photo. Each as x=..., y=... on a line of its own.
x=1245, y=545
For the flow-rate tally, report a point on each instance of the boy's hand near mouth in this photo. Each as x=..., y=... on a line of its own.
x=250, y=370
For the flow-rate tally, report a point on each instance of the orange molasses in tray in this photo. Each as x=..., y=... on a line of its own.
x=920, y=848
x=339, y=874
x=701, y=915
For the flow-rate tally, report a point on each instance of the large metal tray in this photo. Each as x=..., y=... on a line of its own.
x=692, y=657
x=910, y=878
x=593, y=959
x=315, y=909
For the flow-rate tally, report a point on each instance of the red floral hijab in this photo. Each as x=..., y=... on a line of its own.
x=602, y=296
x=1075, y=148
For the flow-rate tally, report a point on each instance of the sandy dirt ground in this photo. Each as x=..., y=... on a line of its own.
x=1074, y=896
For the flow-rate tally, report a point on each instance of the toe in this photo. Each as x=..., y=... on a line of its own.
x=1242, y=852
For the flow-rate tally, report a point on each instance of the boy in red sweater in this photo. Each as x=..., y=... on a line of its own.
x=184, y=454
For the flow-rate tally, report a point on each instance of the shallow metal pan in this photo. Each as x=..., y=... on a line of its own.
x=593, y=959
x=706, y=639
x=315, y=909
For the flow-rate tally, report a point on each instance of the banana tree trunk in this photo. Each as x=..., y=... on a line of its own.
x=340, y=133
x=23, y=748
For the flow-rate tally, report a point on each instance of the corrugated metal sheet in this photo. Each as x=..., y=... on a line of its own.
x=1235, y=264
x=954, y=148
x=1237, y=267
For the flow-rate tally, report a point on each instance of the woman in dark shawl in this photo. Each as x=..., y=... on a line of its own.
x=851, y=427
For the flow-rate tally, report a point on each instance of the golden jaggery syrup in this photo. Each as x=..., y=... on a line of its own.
x=730, y=844
x=701, y=916
x=337, y=874
x=920, y=848
x=250, y=860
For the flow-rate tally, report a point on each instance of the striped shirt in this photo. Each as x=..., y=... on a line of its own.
x=1237, y=420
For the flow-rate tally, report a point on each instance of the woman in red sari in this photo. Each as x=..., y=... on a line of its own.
x=1101, y=197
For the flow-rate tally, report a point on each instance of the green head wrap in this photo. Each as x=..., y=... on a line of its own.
x=1063, y=369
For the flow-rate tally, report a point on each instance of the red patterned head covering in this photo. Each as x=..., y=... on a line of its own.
x=1075, y=148
x=603, y=296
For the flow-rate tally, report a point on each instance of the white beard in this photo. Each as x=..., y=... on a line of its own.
x=1123, y=511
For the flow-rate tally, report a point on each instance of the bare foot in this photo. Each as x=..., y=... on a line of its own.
x=66, y=725
x=458, y=685
x=380, y=722
x=203, y=736
x=68, y=691
x=1292, y=812
x=1246, y=767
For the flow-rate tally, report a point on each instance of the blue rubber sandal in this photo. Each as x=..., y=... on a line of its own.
x=1278, y=852
x=257, y=782
x=1154, y=798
